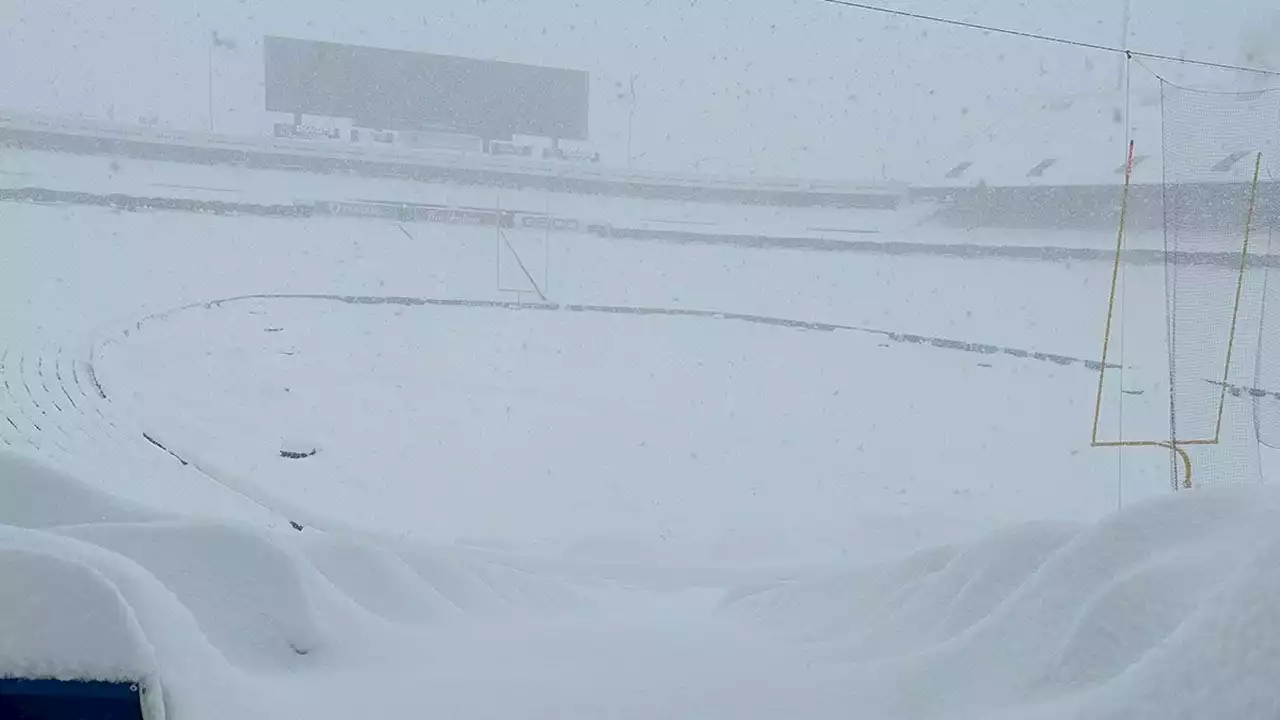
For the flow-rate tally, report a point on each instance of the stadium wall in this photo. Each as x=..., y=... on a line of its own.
x=431, y=166
x=402, y=212
x=1094, y=207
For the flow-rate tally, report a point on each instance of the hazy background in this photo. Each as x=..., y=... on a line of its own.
x=776, y=87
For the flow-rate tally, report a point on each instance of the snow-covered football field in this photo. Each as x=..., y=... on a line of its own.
x=661, y=498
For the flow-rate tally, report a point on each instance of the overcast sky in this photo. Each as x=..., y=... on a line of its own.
x=771, y=87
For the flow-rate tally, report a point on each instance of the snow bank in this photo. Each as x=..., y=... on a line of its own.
x=1164, y=610
x=1221, y=661
x=244, y=592
x=35, y=496
x=217, y=613
x=378, y=581
x=64, y=620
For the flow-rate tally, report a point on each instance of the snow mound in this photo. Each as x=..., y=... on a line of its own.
x=378, y=581
x=485, y=588
x=91, y=588
x=1223, y=661
x=1167, y=609
x=244, y=592
x=35, y=496
x=64, y=620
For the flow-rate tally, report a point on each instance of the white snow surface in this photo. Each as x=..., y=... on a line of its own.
x=559, y=514
x=1164, y=610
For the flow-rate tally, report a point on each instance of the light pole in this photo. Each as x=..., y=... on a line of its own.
x=1124, y=42
x=210, y=67
x=631, y=114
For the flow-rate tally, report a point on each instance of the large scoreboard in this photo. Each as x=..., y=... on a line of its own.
x=413, y=91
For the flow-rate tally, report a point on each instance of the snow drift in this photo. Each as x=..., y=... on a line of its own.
x=94, y=588
x=1167, y=609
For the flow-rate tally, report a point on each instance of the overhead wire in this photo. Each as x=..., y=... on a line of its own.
x=1046, y=38
x=1204, y=91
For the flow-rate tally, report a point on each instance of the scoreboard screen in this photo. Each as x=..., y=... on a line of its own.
x=401, y=90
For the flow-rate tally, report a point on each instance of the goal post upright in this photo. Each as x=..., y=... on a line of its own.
x=1235, y=308
x=1106, y=339
x=1111, y=295
x=1175, y=445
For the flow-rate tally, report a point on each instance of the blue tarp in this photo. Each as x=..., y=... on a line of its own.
x=28, y=699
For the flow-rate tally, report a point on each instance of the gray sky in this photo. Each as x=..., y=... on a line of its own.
x=771, y=87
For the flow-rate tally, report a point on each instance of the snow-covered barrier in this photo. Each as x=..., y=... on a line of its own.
x=135, y=202
x=472, y=217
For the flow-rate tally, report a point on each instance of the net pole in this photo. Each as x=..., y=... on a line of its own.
x=1170, y=299
x=1257, y=350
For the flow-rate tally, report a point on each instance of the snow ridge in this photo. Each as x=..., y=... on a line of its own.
x=1164, y=610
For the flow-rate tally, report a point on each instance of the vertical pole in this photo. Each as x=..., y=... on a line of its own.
x=1170, y=301
x=1127, y=14
x=210, y=85
x=1257, y=353
x=497, y=244
x=546, y=251
x=631, y=114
